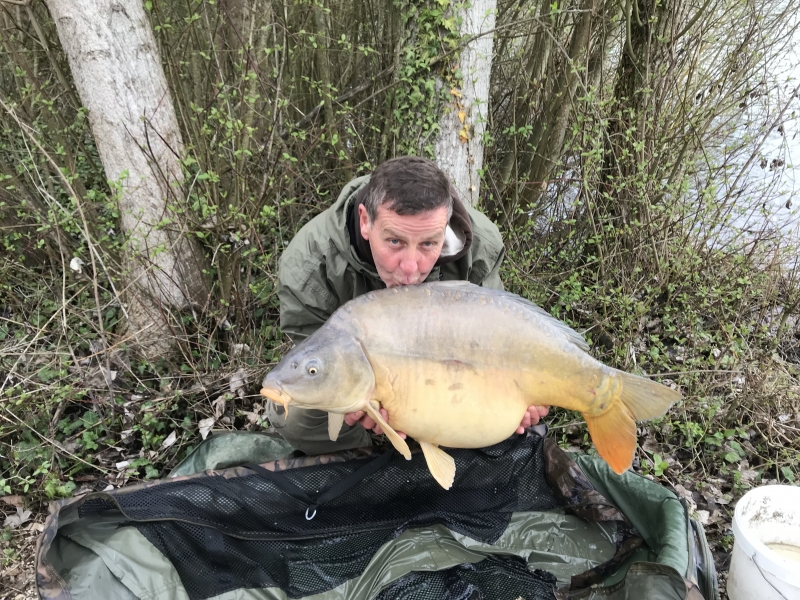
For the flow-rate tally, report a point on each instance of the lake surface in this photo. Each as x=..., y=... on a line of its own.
x=776, y=171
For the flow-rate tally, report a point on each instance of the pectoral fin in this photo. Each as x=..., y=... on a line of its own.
x=440, y=463
x=398, y=442
x=335, y=422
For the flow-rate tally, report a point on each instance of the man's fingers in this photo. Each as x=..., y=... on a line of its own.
x=353, y=417
x=538, y=413
x=532, y=417
x=368, y=422
x=378, y=429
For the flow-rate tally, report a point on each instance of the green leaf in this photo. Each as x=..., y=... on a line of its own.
x=788, y=474
x=732, y=457
x=738, y=448
x=90, y=418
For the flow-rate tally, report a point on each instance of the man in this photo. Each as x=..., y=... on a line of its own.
x=402, y=225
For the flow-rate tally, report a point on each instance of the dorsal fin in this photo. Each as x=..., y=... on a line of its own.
x=572, y=335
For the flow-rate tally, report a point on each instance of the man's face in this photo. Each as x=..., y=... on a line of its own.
x=404, y=248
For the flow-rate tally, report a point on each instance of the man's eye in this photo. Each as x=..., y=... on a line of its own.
x=394, y=242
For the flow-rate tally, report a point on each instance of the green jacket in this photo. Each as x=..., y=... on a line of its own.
x=320, y=270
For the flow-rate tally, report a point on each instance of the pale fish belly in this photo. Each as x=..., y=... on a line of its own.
x=450, y=403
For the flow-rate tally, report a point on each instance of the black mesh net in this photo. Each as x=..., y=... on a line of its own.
x=223, y=534
x=494, y=578
x=210, y=562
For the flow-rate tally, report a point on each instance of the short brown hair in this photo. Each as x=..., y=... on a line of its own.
x=409, y=185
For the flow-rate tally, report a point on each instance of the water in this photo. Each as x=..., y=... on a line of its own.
x=772, y=177
x=787, y=551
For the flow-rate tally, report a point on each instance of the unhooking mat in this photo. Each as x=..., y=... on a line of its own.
x=241, y=519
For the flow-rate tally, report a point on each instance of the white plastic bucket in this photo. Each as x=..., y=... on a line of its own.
x=765, y=564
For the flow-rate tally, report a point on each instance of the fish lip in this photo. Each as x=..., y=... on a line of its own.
x=275, y=393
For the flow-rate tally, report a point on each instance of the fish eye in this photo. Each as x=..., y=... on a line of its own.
x=312, y=367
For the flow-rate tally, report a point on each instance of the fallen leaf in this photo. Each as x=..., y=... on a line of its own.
x=749, y=476
x=205, y=426
x=719, y=497
x=100, y=377
x=76, y=264
x=702, y=516
x=18, y=519
x=71, y=446
x=252, y=417
x=238, y=382
x=461, y=116
x=239, y=349
x=455, y=92
x=219, y=405
x=170, y=440
x=12, y=500
x=650, y=445
x=686, y=495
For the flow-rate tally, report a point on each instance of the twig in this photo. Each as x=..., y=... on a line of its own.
x=92, y=250
x=668, y=373
x=28, y=347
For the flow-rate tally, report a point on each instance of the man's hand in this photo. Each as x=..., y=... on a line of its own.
x=532, y=416
x=368, y=422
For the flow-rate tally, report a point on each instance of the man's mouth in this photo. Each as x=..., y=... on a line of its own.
x=413, y=281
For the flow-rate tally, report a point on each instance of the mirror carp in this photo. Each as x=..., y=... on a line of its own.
x=457, y=365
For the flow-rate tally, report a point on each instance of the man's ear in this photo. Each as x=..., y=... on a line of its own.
x=363, y=219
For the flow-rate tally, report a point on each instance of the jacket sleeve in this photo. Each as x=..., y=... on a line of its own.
x=306, y=302
x=488, y=251
x=492, y=280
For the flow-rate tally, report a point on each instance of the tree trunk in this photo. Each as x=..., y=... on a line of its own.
x=459, y=145
x=118, y=74
x=643, y=55
x=550, y=129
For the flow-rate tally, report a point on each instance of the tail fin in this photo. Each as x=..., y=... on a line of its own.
x=614, y=435
x=646, y=399
x=614, y=431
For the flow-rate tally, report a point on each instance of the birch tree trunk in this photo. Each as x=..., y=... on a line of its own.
x=118, y=74
x=459, y=145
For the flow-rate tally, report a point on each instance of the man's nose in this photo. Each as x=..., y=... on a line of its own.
x=408, y=265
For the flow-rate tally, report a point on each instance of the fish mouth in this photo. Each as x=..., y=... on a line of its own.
x=276, y=394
